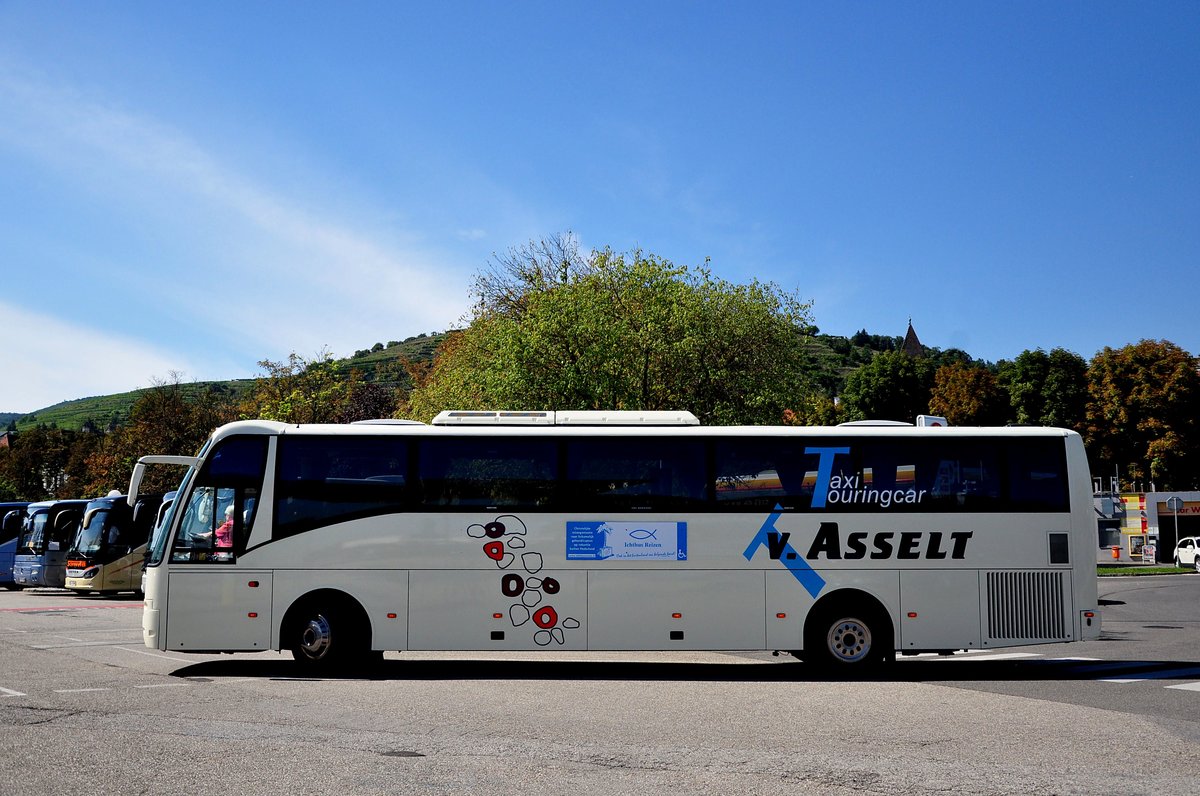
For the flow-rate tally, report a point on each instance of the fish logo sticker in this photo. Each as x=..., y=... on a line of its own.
x=602, y=540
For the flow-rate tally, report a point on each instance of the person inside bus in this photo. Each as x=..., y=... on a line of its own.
x=222, y=534
x=224, y=531
x=114, y=536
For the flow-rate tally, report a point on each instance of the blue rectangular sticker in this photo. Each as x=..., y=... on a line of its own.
x=626, y=541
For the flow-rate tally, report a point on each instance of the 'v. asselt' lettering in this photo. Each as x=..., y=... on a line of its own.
x=827, y=544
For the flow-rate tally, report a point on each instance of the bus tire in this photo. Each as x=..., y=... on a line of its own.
x=328, y=634
x=848, y=636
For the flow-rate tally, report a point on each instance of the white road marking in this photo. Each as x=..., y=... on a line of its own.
x=1185, y=687
x=8, y=692
x=156, y=655
x=164, y=685
x=78, y=690
x=1165, y=674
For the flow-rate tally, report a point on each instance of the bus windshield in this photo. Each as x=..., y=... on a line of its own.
x=33, y=540
x=158, y=537
x=90, y=538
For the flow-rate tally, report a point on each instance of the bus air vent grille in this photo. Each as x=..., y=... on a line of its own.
x=1026, y=606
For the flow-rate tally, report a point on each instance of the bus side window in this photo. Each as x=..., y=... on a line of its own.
x=11, y=526
x=513, y=473
x=322, y=480
x=65, y=525
x=763, y=473
x=638, y=474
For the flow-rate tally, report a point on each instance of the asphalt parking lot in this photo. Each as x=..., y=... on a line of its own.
x=82, y=701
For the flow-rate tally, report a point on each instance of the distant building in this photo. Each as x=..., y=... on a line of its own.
x=6, y=439
x=911, y=345
x=1129, y=521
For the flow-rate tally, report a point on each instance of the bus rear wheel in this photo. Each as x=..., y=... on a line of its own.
x=848, y=638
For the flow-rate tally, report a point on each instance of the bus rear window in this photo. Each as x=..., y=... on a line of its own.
x=1037, y=476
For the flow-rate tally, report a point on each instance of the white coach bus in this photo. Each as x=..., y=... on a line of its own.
x=623, y=531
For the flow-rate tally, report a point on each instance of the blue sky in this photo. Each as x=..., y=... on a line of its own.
x=193, y=188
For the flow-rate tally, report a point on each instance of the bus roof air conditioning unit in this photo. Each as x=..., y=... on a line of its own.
x=470, y=418
x=566, y=418
x=626, y=418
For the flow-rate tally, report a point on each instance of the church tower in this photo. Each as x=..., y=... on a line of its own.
x=911, y=345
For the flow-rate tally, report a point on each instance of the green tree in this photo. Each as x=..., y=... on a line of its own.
x=164, y=420
x=968, y=395
x=313, y=391
x=1047, y=389
x=814, y=409
x=554, y=329
x=37, y=465
x=1144, y=400
x=892, y=386
x=950, y=356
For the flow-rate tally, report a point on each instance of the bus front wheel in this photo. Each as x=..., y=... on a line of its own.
x=315, y=640
x=329, y=636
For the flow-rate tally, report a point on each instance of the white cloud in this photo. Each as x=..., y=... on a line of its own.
x=47, y=360
x=260, y=268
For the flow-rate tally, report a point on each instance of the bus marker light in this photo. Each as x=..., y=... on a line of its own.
x=391, y=616
x=1090, y=614
x=497, y=616
x=781, y=616
x=252, y=615
x=677, y=616
x=253, y=584
x=912, y=614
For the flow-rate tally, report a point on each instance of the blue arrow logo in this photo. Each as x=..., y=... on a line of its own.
x=777, y=545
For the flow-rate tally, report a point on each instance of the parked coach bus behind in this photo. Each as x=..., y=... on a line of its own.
x=41, y=558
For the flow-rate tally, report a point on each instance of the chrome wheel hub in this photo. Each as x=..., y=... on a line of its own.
x=316, y=637
x=849, y=640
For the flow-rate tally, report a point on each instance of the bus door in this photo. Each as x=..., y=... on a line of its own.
x=213, y=601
